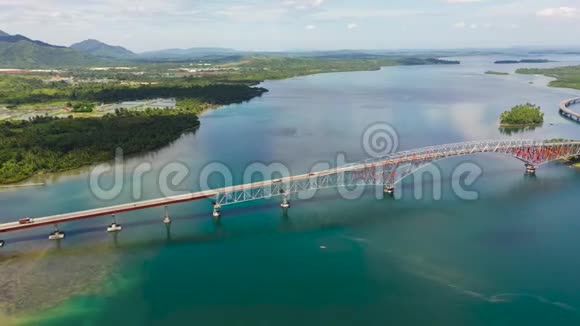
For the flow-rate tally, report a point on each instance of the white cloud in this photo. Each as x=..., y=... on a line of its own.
x=338, y=14
x=566, y=12
x=352, y=26
x=302, y=4
x=252, y=14
x=463, y=1
x=509, y=9
x=486, y=25
x=310, y=27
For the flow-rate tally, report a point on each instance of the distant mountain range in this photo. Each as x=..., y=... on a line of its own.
x=17, y=51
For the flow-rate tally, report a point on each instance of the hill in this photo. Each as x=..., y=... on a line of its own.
x=17, y=51
x=100, y=49
x=7, y=38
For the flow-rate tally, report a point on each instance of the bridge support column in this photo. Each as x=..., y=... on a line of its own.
x=56, y=234
x=114, y=227
x=285, y=203
x=166, y=219
x=530, y=169
x=389, y=189
x=216, y=211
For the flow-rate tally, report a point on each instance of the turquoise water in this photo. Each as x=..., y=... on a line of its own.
x=509, y=257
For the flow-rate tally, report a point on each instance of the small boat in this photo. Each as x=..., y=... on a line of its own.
x=57, y=235
x=114, y=228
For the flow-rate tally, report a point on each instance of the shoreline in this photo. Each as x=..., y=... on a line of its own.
x=519, y=125
x=24, y=185
x=205, y=110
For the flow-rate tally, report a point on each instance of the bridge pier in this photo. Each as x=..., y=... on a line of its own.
x=166, y=219
x=114, y=227
x=389, y=189
x=216, y=211
x=56, y=234
x=285, y=203
x=530, y=169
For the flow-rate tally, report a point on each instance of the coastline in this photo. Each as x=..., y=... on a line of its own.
x=520, y=125
x=207, y=108
x=22, y=185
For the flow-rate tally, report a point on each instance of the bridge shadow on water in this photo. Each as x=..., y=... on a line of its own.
x=220, y=227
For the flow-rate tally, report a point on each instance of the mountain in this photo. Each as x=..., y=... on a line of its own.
x=17, y=51
x=5, y=37
x=100, y=49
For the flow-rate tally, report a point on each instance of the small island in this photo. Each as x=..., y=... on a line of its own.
x=522, y=61
x=427, y=61
x=522, y=115
x=491, y=72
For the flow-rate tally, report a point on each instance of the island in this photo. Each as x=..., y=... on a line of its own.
x=522, y=115
x=567, y=77
x=427, y=61
x=522, y=61
x=491, y=72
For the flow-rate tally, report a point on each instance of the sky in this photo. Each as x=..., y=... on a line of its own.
x=143, y=25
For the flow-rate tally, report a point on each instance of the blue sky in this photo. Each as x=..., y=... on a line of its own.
x=142, y=25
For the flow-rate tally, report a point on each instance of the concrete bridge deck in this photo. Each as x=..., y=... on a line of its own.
x=375, y=171
x=565, y=108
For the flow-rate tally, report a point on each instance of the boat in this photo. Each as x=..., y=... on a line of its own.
x=56, y=235
x=114, y=228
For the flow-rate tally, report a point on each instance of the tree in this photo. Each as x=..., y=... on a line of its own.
x=523, y=114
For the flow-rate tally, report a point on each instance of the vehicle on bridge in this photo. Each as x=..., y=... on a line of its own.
x=26, y=220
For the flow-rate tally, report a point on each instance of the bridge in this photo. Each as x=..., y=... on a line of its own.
x=385, y=171
x=565, y=109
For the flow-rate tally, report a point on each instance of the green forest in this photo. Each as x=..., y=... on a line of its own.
x=46, y=144
x=20, y=91
x=523, y=114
